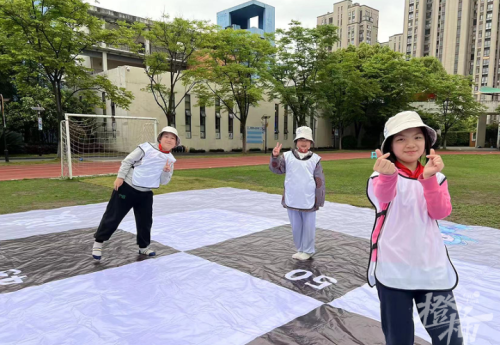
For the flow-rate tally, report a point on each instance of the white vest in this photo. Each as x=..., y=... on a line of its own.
x=411, y=254
x=300, y=186
x=148, y=173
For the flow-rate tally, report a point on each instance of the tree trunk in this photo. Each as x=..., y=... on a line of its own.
x=56, y=86
x=170, y=118
x=444, y=140
x=358, y=125
x=244, y=137
x=341, y=135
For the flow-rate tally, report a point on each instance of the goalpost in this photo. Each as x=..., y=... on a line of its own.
x=96, y=144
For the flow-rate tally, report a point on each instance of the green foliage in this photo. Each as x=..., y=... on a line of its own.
x=491, y=135
x=294, y=72
x=43, y=42
x=15, y=142
x=175, y=46
x=349, y=142
x=456, y=103
x=454, y=138
x=233, y=69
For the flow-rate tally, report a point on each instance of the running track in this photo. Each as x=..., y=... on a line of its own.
x=53, y=170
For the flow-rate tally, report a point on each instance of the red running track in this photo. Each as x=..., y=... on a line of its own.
x=53, y=170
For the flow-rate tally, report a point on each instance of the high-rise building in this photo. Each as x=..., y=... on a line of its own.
x=463, y=35
x=356, y=23
x=396, y=43
x=239, y=17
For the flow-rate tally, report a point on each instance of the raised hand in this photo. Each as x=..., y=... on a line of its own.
x=167, y=167
x=277, y=149
x=434, y=165
x=383, y=165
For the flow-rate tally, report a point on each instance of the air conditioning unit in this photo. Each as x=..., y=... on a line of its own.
x=188, y=135
x=217, y=135
x=230, y=135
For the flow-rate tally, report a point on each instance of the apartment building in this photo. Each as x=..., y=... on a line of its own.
x=356, y=23
x=396, y=43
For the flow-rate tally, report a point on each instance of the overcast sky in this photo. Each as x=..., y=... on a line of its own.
x=306, y=11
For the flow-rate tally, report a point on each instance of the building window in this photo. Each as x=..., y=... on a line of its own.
x=203, y=119
x=217, y=118
x=230, y=123
x=187, y=105
x=276, y=121
x=285, y=124
x=172, y=109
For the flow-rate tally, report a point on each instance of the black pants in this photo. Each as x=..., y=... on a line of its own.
x=437, y=310
x=119, y=205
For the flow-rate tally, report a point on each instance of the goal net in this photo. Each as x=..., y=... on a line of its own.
x=96, y=144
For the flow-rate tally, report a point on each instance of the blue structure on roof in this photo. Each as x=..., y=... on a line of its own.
x=238, y=17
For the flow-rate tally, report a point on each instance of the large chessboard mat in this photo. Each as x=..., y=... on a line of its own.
x=223, y=275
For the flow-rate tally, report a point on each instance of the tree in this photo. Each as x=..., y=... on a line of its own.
x=343, y=90
x=174, y=47
x=233, y=70
x=294, y=72
x=396, y=82
x=454, y=100
x=44, y=41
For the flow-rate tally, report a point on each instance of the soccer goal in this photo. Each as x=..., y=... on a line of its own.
x=96, y=144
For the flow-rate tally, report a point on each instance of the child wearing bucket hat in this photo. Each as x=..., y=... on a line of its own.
x=145, y=168
x=304, y=190
x=408, y=259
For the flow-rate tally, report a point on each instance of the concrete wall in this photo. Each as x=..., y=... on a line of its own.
x=144, y=105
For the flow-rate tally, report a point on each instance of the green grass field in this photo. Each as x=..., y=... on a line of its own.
x=473, y=181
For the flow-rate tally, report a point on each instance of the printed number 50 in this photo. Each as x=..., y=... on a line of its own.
x=323, y=281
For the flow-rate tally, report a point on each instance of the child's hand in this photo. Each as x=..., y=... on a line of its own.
x=167, y=167
x=434, y=165
x=118, y=183
x=277, y=149
x=383, y=165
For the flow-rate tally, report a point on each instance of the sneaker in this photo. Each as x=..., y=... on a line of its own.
x=147, y=251
x=304, y=256
x=297, y=255
x=97, y=251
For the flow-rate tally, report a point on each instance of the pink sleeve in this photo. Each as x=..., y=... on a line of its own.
x=437, y=197
x=384, y=187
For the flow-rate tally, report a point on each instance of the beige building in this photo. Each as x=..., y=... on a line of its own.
x=396, y=43
x=206, y=128
x=356, y=23
x=199, y=128
x=104, y=57
x=463, y=35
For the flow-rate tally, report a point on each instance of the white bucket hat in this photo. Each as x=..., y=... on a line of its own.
x=406, y=120
x=170, y=129
x=303, y=132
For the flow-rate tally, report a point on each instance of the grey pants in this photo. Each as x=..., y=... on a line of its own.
x=303, y=229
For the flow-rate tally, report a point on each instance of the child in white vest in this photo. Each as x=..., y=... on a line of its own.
x=408, y=260
x=145, y=168
x=304, y=190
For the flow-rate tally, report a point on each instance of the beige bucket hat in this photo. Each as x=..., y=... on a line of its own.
x=303, y=132
x=406, y=120
x=170, y=129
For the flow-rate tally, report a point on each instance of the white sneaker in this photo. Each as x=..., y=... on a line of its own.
x=147, y=251
x=304, y=256
x=97, y=251
x=296, y=255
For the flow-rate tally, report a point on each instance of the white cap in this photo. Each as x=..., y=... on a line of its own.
x=406, y=120
x=170, y=129
x=303, y=132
